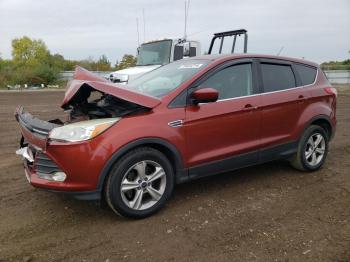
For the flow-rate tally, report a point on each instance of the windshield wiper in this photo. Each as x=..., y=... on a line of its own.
x=147, y=64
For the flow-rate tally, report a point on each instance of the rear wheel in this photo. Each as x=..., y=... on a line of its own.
x=140, y=183
x=312, y=149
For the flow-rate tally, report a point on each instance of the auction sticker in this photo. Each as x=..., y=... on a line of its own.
x=190, y=66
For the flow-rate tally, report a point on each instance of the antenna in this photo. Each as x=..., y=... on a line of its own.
x=280, y=51
x=144, y=24
x=187, y=6
x=138, y=34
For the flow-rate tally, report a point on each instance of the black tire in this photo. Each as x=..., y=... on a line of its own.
x=299, y=161
x=113, y=192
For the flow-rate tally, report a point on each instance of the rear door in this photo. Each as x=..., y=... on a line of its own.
x=224, y=134
x=282, y=101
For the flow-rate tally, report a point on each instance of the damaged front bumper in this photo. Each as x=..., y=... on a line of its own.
x=44, y=167
x=55, y=166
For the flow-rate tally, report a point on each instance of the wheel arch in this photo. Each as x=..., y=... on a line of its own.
x=323, y=121
x=169, y=150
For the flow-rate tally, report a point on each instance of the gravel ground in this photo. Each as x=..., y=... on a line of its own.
x=269, y=212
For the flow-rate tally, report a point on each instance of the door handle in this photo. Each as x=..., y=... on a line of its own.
x=301, y=99
x=249, y=107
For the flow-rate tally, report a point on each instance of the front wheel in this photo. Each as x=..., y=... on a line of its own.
x=140, y=183
x=312, y=149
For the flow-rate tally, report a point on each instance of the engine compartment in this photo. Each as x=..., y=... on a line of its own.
x=105, y=106
x=95, y=105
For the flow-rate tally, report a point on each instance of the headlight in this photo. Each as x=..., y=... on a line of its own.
x=83, y=130
x=121, y=78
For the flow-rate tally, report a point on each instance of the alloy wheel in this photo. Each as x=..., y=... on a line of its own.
x=143, y=185
x=315, y=149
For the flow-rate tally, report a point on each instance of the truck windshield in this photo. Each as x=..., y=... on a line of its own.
x=156, y=53
x=167, y=78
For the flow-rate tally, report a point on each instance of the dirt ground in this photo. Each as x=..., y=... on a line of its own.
x=264, y=213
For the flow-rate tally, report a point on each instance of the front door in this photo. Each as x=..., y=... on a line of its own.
x=223, y=135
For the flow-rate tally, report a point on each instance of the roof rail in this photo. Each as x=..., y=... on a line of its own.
x=234, y=33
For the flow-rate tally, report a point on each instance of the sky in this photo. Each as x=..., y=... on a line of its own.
x=318, y=30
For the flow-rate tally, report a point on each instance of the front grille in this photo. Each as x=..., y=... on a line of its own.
x=44, y=164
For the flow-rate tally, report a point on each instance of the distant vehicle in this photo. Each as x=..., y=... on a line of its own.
x=188, y=119
x=154, y=54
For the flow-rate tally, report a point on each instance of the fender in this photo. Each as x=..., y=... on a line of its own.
x=317, y=111
x=181, y=174
x=322, y=117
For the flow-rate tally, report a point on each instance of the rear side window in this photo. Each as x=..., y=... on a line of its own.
x=277, y=77
x=307, y=74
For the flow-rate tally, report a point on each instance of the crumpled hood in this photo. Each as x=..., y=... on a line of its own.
x=84, y=80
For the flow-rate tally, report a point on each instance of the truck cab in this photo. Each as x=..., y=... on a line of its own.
x=153, y=54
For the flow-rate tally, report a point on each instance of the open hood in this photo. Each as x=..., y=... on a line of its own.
x=84, y=81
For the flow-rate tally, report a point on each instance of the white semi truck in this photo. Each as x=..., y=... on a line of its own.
x=154, y=54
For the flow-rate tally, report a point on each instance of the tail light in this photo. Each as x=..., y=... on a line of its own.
x=331, y=91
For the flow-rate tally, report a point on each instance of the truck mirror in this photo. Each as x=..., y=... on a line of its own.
x=193, y=51
x=178, y=52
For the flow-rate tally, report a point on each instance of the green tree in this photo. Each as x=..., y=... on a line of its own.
x=33, y=63
x=127, y=61
x=1, y=63
x=103, y=64
x=27, y=50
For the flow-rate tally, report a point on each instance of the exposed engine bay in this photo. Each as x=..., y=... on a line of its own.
x=89, y=97
x=81, y=109
x=105, y=106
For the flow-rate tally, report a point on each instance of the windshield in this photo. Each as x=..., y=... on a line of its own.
x=167, y=78
x=156, y=53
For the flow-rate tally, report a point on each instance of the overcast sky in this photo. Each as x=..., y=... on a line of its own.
x=318, y=30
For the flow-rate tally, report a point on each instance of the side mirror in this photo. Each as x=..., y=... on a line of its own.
x=178, y=52
x=204, y=95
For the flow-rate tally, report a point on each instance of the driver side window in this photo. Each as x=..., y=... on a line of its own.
x=232, y=81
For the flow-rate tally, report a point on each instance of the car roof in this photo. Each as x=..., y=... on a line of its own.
x=224, y=57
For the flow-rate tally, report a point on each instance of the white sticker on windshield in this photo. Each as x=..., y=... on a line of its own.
x=192, y=66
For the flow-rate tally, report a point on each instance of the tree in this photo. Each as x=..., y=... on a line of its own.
x=103, y=64
x=33, y=63
x=127, y=61
x=27, y=50
x=116, y=63
x=58, y=61
x=1, y=63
